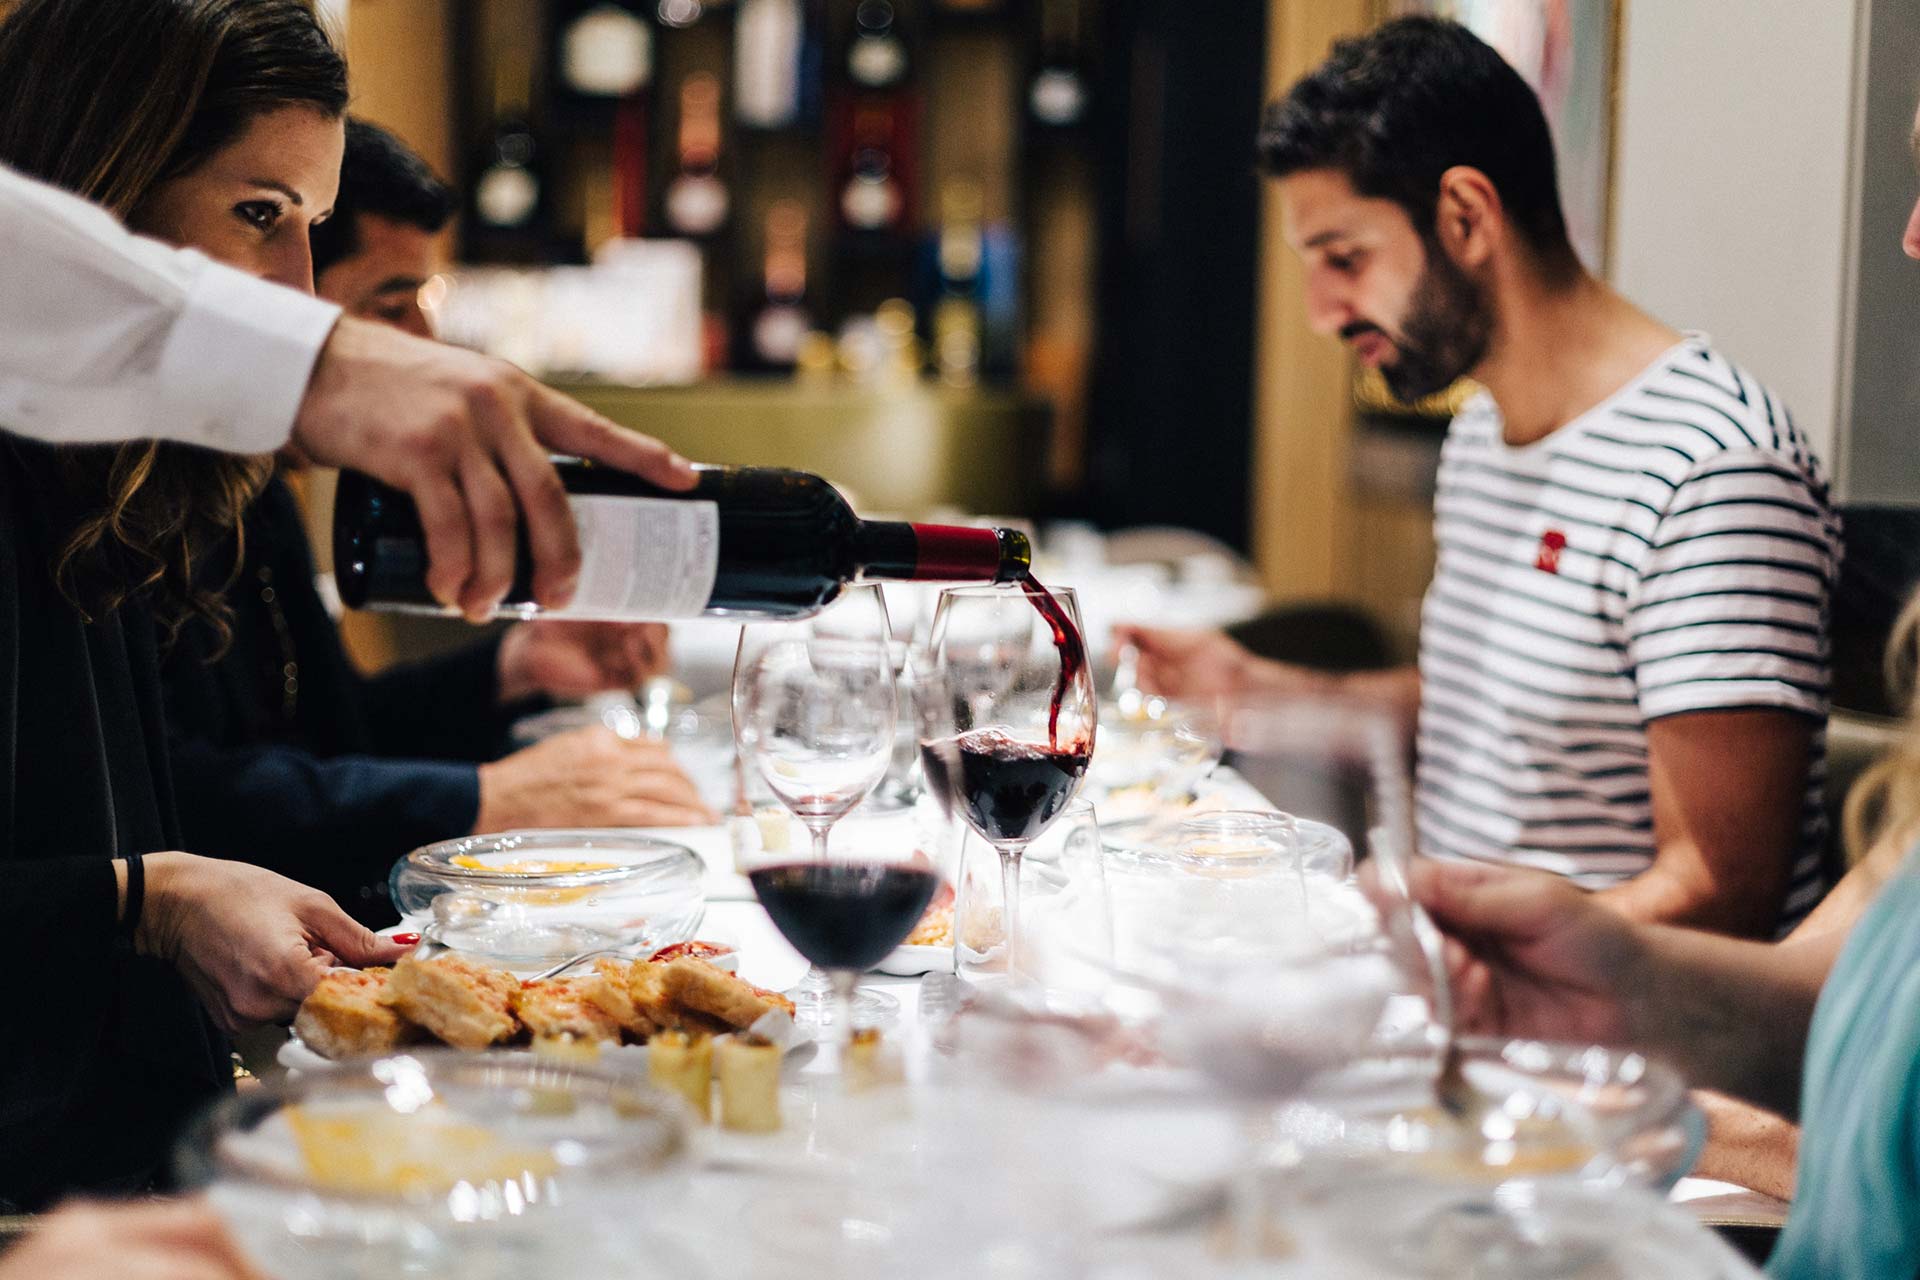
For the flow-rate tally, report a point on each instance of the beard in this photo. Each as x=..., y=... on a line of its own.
x=1445, y=334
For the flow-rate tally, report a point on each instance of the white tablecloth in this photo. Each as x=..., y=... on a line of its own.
x=736, y=1215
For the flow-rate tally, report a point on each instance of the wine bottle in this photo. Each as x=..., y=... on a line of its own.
x=782, y=319
x=873, y=197
x=1057, y=94
x=744, y=542
x=766, y=63
x=508, y=202
x=696, y=199
x=605, y=51
x=961, y=248
x=877, y=54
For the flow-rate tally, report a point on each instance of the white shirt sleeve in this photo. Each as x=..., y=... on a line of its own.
x=105, y=336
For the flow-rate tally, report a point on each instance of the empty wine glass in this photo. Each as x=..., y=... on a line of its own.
x=1005, y=712
x=814, y=709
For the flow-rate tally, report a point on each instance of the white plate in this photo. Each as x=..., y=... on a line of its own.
x=908, y=961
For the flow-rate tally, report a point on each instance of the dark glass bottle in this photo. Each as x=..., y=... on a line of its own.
x=745, y=542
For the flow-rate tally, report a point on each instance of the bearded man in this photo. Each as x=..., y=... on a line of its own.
x=1623, y=653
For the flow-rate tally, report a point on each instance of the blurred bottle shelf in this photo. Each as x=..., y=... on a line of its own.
x=906, y=448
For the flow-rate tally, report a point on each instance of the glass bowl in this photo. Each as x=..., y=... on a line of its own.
x=1559, y=1109
x=1574, y=1140
x=440, y=1163
x=528, y=898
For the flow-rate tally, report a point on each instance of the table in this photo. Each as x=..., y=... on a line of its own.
x=725, y=1196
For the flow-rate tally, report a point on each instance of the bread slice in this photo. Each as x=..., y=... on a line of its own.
x=347, y=1016
x=560, y=1007
x=698, y=986
x=607, y=988
x=647, y=987
x=463, y=1002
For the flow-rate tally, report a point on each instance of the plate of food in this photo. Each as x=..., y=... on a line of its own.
x=929, y=948
x=455, y=1000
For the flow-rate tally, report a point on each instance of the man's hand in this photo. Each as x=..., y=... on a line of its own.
x=467, y=437
x=588, y=777
x=250, y=943
x=1187, y=664
x=183, y=1241
x=569, y=659
x=1531, y=954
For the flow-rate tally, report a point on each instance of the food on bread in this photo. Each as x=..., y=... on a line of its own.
x=748, y=1069
x=607, y=987
x=463, y=1002
x=347, y=1015
x=647, y=986
x=697, y=985
x=694, y=947
x=470, y=1005
x=684, y=1064
x=559, y=1008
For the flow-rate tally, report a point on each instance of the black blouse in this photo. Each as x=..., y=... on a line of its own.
x=104, y=1054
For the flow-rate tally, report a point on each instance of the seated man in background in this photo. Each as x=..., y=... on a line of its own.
x=284, y=753
x=1623, y=652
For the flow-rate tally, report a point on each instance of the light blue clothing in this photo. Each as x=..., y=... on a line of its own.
x=1856, y=1208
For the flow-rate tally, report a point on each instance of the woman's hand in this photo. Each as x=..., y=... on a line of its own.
x=181, y=1241
x=1531, y=954
x=250, y=943
x=571, y=659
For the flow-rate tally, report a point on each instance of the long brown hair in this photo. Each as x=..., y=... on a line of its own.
x=1885, y=802
x=108, y=99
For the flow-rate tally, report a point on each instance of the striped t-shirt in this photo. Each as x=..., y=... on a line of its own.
x=1670, y=550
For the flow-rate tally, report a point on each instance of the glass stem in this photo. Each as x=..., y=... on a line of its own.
x=1010, y=901
x=819, y=842
x=845, y=982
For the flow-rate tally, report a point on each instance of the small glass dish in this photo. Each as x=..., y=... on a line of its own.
x=440, y=1163
x=528, y=898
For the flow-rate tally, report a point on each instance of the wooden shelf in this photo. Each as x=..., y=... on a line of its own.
x=905, y=448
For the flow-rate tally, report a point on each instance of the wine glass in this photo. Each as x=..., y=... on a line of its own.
x=1005, y=713
x=1270, y=968
x=846, y=909
x=814, y=709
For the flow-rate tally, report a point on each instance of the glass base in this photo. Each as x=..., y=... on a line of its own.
x=813, y=1007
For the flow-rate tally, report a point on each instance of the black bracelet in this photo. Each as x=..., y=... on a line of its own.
x=136, y=896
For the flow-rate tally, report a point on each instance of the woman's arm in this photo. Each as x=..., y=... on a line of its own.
x=1534, y=955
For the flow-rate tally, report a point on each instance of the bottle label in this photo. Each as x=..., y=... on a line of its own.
x=653, y=558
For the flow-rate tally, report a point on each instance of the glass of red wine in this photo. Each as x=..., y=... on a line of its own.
x=1005, y=713
x=814, y=709
x=846, y=911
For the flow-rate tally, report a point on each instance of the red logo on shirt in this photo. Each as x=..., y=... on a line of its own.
x=1552, y=543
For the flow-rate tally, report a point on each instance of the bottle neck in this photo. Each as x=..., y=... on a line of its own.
x=942, y=552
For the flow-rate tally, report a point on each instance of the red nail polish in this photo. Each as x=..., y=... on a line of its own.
x=407, y=939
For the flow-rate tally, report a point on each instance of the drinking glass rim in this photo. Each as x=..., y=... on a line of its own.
x=1001, y=591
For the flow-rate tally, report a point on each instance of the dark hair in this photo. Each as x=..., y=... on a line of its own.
x=1396, y=108
x=380, y=175
x=108, y=99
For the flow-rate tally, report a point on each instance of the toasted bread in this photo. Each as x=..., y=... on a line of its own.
x=559, y=1007
x=698, y=986
x=607, y=988
x=461, y=1001
x=347, y=1017
x=647, y=987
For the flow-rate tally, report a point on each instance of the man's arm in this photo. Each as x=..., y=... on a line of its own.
x=105, y=336
x=1205, y=664
x=1728, y=792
